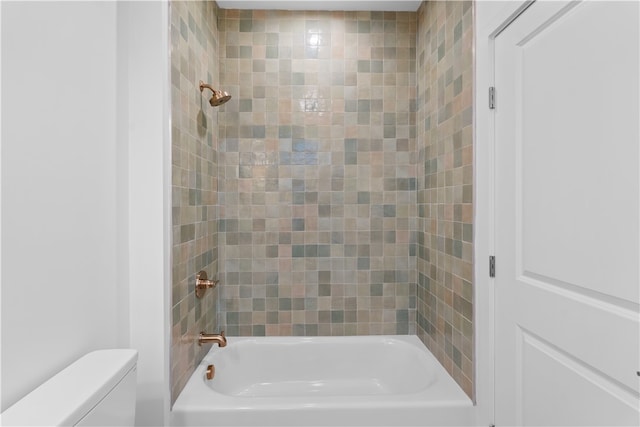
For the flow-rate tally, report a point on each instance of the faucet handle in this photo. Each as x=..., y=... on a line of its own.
x=203, y=283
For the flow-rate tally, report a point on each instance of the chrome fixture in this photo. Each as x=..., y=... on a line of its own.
x=219, y=97
x=220, y=339
x=203, y=283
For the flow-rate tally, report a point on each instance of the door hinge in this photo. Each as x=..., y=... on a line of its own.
x=492, y=266
x=492, y=98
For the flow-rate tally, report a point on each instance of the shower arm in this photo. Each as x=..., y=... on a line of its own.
x=204, y=85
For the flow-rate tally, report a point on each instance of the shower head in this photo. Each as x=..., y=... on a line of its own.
x=218, y=98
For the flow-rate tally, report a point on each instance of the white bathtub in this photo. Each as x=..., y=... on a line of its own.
x=345, y=381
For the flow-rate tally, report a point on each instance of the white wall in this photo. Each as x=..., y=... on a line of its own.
x=59, y=200
x=85, y=191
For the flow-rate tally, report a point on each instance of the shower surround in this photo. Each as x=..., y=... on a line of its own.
x=317, y=178
x=194, y=164
x=445, y=185
x=332, y=194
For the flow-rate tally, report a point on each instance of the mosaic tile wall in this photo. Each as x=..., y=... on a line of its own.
x=317, y=179
x=445, y=190
x=194, y=57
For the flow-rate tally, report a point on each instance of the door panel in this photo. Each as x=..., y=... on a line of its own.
x=575, y=107
x=567, y=374
x=567, y=215
x=601, y=335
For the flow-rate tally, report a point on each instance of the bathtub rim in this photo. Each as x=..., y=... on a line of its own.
x=198, y=397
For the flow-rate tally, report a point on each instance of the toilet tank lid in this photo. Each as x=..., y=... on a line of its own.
x=73, y=392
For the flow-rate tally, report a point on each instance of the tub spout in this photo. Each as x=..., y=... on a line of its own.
x=220, y=339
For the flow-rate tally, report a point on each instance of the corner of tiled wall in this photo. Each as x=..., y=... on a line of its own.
x=194, y=57
x=445, y=185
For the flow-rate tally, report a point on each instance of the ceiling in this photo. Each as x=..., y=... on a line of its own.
x=350, y=5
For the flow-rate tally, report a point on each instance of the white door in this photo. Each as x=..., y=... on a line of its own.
x=567, y=216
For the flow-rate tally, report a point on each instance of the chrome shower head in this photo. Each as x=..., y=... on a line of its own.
x=218, y=98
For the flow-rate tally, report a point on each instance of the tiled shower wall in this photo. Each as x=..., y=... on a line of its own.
x=445, y=185
x=338, y=191
x=317, y=178
x=194, y=57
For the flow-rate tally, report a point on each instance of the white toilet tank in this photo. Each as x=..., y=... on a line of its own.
x=99, y=389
